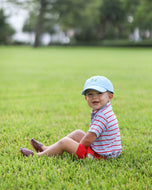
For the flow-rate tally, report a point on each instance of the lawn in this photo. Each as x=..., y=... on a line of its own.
x=40, y=97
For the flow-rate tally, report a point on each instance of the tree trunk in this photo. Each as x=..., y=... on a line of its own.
x=40, y=21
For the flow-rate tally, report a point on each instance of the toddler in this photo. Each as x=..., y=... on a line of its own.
x=102, y=140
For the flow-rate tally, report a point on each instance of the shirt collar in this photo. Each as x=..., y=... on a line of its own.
x=96, y=111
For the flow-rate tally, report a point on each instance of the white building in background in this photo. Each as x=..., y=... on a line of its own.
x=17, y=17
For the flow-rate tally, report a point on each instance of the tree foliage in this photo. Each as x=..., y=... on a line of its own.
x=143, y=15
x=90, y=20
x=112, y=19
x=79, y=15
x=6, y=31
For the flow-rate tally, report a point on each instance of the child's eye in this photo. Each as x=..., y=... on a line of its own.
x=92, y=94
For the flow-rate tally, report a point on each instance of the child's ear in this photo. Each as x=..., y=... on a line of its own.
x=110, y=96
x=85, y=98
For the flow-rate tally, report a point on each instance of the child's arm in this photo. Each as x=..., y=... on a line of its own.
x=88, y=139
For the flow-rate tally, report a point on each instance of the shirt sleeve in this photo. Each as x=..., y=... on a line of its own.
x=98, y=126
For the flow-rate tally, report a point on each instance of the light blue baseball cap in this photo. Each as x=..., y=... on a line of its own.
x=99, y=83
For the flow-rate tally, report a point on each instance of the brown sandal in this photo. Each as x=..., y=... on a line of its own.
x=36, y=145
x=26, y=152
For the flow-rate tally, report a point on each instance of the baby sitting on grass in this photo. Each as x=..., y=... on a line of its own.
x=102, y=140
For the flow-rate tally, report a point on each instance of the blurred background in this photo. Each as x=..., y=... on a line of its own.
x=76, y=22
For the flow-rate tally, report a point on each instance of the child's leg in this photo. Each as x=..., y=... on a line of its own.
x=77, y=135
x=70, y=144
x=66, y=144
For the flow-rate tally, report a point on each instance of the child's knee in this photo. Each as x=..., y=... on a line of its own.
x=79, y=132
x=62, y=142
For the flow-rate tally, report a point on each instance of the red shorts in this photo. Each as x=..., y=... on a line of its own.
x=82, y=152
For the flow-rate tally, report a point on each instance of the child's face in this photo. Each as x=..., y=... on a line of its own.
x=96, y=100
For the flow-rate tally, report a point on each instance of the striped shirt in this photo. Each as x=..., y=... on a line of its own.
x=105, y=125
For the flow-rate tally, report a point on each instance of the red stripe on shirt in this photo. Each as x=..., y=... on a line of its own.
x=112, y=120
x=110, y=116
x=102, y=118
x=105, y=108
x=99, y=122
x=107, y=144
x=113, y=145
x=95, y=129
x=107, y=139
x=113, y=125
x=98, y=126
x=112, y=130
x=109, y=135
x=108, y=112
x=110, y=151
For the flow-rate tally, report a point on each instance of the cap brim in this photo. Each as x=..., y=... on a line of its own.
x=97, y=88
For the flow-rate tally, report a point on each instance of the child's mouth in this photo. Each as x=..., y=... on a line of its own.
x=95, y=102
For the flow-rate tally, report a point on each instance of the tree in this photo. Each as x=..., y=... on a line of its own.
x=76, y=15
x=47, y=26
x=39, y=6
x=112, y=19
x=140, y=13
x=6, y=31
x=130, y=7
x=79, y=15
x=40, y=20
x=143, y=15
x=90, y=20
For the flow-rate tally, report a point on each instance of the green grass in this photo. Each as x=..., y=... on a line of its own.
x=40, y=96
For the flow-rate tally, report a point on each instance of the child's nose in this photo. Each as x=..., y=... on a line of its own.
x=95, y=95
